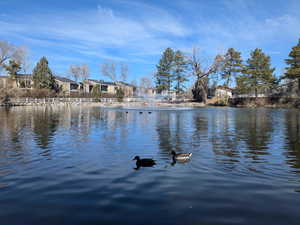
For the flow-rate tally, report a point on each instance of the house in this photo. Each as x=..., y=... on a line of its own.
x=127, y=88
x=105, y=87
x=20, y=81
x=3, y=81
x=66, y=85
x=108, y=87
x=145, y=92
x=222, y=91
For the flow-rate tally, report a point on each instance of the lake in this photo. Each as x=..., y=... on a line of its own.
x=73, y=165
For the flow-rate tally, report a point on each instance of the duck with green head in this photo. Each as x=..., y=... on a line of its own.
x=181, y=157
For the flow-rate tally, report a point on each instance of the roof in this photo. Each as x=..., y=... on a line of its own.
x=24, y=76
x=102, y=82
x=64, y=79
x=20, y=76
x=126, y=84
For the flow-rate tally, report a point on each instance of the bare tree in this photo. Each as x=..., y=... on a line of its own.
x=75, y=72
x=11, y=52
x=24, y=60
x=109, y=70
x=124, y=72
x=79, y=72
x=146, y=82
x=202, y=74
x=85, y=72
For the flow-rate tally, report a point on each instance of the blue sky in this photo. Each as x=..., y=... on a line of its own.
x=136, y=32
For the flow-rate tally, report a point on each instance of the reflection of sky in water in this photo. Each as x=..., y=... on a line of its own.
x=87, y=153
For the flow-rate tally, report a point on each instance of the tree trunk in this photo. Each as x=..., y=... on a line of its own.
x=203, y=94
x=199, y=91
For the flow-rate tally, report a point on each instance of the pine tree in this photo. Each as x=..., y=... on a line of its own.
x=293, y=71
x=180, y=67
x=164, y=75
x=42, y=75
x=232, y=66
x=12, y=68
x=257, y=74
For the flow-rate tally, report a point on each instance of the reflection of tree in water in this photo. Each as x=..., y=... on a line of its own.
x=224, y=140
x=255, y=128
x=171, y=132
x=163, y=129
x=45, y=123
x=12, y=123
x=292, y=137
x=200, y=122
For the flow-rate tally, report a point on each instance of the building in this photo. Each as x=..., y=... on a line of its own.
x=20, y=81
x=108, y=87
x=68, y=86
x=222, y=91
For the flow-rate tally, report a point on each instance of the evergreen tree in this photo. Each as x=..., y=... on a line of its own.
x=42, y=75
x=164, y=75
x=180, y=67
x=232, y=66
x=257, y=74
x=12, y=68
x=293, y=71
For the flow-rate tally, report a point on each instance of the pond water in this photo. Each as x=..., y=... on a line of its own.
x=73, y=165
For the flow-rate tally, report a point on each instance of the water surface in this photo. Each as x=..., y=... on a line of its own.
x=73, y=165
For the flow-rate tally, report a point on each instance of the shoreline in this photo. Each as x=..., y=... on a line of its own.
x=146, y=105
x=135, y=102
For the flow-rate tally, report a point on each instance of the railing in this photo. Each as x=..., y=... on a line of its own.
x=60, y=100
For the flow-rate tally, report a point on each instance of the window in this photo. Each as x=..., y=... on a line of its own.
x=104, y=87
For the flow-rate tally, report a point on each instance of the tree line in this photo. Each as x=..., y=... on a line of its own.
x=254, y=75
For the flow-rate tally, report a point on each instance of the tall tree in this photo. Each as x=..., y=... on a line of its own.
x=232, y=66
x=12, y=68
x=42, y=75
x=257, y=74
x=200, y=88
x=293, y=69
x=180, y=68
x=164, y=74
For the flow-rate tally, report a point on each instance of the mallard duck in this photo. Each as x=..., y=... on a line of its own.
x=144, y=162
x=181, y=156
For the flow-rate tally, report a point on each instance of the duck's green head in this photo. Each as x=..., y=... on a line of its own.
x=173, y=153
x=136, y=158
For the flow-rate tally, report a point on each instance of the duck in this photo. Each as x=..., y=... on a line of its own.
x=149, y=112
x=144, y=162
x=141, y=112
x=181, y=156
